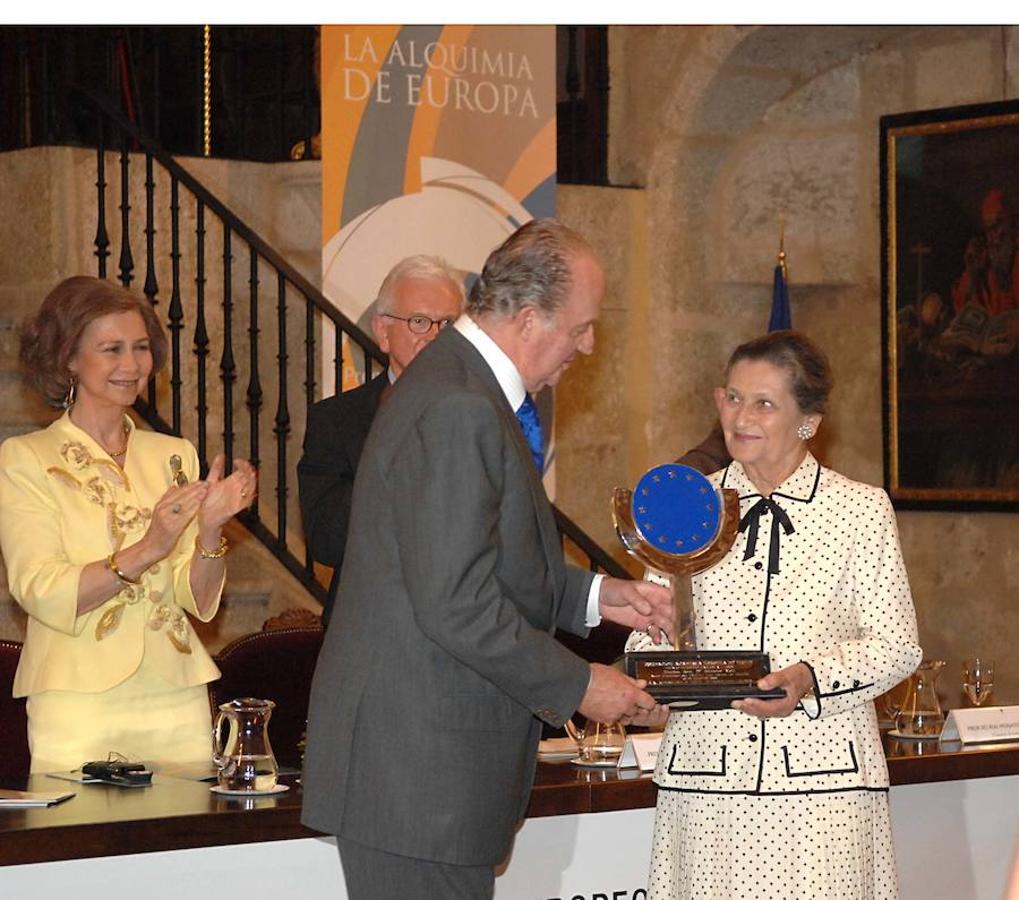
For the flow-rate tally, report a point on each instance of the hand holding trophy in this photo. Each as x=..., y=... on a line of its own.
x=678, y=523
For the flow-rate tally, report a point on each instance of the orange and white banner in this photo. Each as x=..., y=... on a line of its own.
x=435, y=139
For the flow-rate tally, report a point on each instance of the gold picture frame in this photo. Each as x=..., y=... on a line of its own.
x=950, y=307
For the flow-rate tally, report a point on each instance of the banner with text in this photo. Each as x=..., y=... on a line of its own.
x=435, y=139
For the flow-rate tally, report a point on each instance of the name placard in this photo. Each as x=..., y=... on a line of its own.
x=982, y=725
x=641, y=750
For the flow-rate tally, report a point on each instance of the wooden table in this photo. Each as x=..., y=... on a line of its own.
x=176, y=814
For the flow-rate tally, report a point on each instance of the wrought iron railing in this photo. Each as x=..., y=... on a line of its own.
x=219, y=249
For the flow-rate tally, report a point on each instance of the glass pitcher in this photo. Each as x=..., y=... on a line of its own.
x=920, y=716
x=600, y=744
x=245, y=758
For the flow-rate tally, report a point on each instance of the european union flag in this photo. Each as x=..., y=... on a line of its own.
x=781, y=318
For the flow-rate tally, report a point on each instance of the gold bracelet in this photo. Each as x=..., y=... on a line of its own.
x=218, y=553
x=118, y=573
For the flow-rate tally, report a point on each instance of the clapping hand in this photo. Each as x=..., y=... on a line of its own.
x=227, y=496
x=171, y=515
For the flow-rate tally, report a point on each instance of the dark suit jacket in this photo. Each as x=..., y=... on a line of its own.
x=440, y=661
x=709, y=455
x=333, y=440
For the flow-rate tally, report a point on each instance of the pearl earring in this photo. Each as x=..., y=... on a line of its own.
x=804, y=432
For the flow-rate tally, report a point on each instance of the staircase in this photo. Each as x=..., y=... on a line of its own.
x=246, y=336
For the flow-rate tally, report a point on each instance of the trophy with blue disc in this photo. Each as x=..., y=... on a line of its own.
x=679, y=524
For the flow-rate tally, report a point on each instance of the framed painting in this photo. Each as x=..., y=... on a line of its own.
x=950, y=306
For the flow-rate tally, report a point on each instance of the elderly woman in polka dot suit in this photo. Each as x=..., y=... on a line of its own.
x=788, y=798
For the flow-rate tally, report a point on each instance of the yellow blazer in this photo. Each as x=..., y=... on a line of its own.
x=65, y=503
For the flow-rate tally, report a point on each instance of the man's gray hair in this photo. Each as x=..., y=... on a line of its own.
x=530, y=268
x=420, y=266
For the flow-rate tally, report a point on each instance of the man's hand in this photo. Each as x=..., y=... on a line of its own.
x=654, y=718
x=639, y=605
x=612, y=696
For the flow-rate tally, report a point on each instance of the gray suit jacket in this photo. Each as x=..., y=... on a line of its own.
x=439, y=660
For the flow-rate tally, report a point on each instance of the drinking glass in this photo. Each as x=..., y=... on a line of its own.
x=977, y=679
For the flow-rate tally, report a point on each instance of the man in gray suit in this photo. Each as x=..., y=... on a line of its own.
x=439, y=664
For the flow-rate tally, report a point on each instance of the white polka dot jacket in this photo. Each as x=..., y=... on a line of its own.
x=816, y=575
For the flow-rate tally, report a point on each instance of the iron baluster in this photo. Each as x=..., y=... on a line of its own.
x=151, y=287
x=282, y=429
x=254, y=397
x=338, y=361
x=309, y=352
x=201, y=335
x=126, y=258
x=227, y=368
x=309, y=395
x=176, y=310
x=102, y=240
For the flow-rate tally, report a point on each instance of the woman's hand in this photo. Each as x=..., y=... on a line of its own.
x=226, y=496
x=171, y=515
x=795, y=680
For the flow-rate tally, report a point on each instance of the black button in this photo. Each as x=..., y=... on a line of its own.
x=758, y=566
x=752, y=617
x=856, y=682
x=753, y=738
x=834, y=685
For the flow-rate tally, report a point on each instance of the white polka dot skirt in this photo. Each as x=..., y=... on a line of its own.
x=834, y=846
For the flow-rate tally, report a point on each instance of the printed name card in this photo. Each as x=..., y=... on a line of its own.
x=982, y=725
x=641, y=750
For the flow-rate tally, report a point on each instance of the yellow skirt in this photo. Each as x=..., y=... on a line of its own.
x=145, y=719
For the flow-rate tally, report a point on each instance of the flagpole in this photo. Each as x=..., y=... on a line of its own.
x=781, y=247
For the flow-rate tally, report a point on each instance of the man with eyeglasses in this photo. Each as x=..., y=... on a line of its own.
x=440, y=664
x=419, y=297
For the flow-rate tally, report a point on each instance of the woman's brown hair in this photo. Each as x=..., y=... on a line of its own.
x=808, y=368
x=50, y=338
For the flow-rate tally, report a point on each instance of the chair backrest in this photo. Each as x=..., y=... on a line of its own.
x=272, y=665
x=14, y=758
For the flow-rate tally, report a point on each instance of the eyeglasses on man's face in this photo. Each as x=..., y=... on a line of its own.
x=420, y=324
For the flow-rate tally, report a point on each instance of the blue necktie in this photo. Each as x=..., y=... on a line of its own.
x=531, y=424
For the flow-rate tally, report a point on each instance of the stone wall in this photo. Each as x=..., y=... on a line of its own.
x=724, y=131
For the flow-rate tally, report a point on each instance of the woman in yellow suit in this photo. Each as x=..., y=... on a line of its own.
x=110, y=539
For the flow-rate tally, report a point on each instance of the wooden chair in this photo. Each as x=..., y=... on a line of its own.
x=14, y=758
x=272, y=665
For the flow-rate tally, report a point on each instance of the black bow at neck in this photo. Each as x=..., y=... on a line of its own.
x=752, y=520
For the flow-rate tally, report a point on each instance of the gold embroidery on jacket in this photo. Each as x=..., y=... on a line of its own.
x=109, y=621
x=123, y=519
x=97, y=491
x=76, y=455
x=64, y=476
x=178, y=633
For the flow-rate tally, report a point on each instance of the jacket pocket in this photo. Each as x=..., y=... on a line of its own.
x=710, y=763
x=845, y=764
